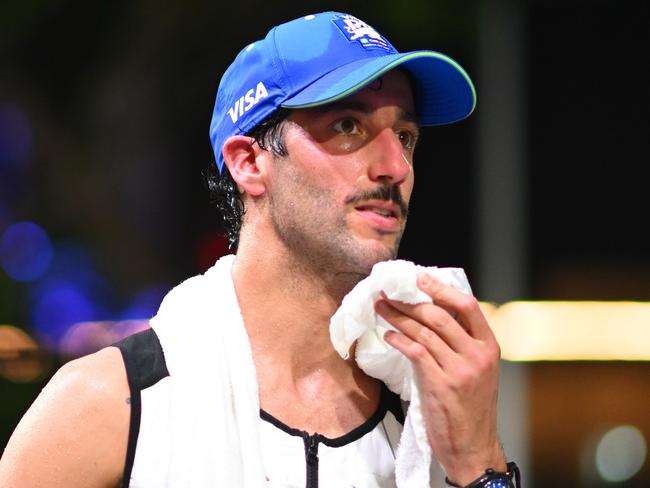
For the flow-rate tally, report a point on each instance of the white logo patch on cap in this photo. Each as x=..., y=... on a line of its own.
x=357, y=30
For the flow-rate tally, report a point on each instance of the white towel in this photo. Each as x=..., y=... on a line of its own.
x=213, y=437
x=356, y=319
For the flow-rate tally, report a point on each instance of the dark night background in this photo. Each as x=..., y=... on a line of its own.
x=104, y=115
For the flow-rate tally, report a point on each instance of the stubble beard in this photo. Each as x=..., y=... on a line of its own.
x=323, y=244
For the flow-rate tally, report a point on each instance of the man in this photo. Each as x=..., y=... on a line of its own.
x=314, y=131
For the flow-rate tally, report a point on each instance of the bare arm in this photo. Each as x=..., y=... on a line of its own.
x=76, y=432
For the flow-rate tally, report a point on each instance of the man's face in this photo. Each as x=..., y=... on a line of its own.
x=339, y=199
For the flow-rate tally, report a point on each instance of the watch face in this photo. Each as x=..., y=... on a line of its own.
x=499, y=483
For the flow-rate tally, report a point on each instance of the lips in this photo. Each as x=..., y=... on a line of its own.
x=384, y=215
x=384, y=212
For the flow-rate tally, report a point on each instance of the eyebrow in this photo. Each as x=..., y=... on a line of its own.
x=357, y=106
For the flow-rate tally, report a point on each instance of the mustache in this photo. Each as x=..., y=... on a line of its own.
x=389, y=193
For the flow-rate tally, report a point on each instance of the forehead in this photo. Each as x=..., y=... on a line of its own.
x=393, y=90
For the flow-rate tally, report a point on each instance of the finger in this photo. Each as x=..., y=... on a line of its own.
x=415, y=352
x=437, y=320
x=416, y=333
x=466, y=306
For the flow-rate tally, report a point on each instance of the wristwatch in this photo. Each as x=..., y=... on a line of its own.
x=511, y=478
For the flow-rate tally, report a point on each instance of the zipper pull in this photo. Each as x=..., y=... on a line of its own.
x=312, y=449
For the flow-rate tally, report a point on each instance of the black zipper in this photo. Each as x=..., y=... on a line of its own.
x=311, y=456
x=388, y=402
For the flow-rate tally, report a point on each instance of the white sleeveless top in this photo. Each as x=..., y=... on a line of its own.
x=362, y=458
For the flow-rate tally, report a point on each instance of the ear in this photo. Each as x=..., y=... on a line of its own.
x=241, y=158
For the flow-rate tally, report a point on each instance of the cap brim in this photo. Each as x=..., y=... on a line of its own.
x=444, y=93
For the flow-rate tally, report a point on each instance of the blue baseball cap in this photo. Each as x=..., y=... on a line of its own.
x=319, y=59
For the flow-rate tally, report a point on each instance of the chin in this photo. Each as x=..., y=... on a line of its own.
x=374, y=252
x=385, y=246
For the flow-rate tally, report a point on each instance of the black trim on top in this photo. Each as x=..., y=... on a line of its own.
x=145, y=365
x=388, y=402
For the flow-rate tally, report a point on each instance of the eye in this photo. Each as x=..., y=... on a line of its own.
x=407, y=138
x=347, y=126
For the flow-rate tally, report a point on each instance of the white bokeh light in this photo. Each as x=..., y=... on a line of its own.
x=620, y=453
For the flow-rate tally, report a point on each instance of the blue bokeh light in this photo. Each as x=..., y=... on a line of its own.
x=58, y=306
x=74, y=263
x=72, y=292
x=25, y=251
x=144, y=304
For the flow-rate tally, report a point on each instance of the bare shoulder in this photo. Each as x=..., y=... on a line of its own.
x=76, y=431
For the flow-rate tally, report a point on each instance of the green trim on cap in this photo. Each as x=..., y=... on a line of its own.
x=388, y=67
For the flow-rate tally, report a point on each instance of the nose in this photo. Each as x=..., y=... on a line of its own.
x=388, y=161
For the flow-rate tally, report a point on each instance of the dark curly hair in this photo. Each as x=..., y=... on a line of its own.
x=269, y=135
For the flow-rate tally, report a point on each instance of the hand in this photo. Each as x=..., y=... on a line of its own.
x=456, y=361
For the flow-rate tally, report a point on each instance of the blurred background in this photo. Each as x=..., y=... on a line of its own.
x=541, y=195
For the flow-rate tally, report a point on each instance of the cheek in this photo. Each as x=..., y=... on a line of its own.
x=407, y=187
x=316, y=188
x=341, y=173
x=343, y=146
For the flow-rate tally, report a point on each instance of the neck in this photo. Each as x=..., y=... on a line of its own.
x=286, y=307
x=287, y=304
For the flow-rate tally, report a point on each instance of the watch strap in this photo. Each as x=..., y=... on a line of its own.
x=511, y=478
